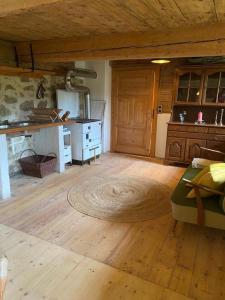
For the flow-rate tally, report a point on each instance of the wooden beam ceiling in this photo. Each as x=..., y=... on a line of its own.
x=49, y=19
x=8, y=64
x=184, y=42
x=67, y=30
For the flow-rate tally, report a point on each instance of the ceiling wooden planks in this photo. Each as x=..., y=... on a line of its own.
x=167, y=12
x=201, y=11
x=53, y=19
x=219, y=6
x=67, y=30
x=9, y=7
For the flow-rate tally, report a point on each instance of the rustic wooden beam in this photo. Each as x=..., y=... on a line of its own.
x=26, y=72
x=7, y=53
x=183, y=42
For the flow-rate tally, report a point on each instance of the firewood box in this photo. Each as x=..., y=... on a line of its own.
x=38, y=165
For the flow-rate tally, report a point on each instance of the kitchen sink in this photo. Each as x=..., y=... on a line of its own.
x=4, y=126
x=16, y=124
x=23, y=124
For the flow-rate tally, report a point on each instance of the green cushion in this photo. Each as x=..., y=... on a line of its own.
x=181, y=191
x=222, y=203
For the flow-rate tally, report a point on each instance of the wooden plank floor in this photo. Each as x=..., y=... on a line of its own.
x=190, y=263
x=41, y=270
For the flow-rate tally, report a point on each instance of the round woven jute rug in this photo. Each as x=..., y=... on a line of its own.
x=121, y=198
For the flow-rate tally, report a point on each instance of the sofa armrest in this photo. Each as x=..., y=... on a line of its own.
x=200, y=206
x=212, y=150
x=203, y=187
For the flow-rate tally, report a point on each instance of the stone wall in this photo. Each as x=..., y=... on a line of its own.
x=17, y=97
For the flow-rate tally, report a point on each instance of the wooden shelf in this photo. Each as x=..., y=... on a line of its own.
x=14, y=71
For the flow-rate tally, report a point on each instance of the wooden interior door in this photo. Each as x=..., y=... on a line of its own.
x=133, y=105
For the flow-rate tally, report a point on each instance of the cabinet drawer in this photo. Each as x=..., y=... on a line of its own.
x=183, y=134
x=67, y=158
x=217, y=130
x=175, y=149
x=67, y=150
x=91, y=152
x=188, y=128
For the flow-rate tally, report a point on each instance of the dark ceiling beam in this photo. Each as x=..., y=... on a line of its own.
x=183, y=42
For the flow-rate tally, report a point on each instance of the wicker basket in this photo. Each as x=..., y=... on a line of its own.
x=38, y=165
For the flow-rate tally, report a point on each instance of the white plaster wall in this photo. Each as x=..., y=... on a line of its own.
x=161, y=134
x=101, y=90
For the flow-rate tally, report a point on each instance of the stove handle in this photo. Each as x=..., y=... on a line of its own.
x=94, y=148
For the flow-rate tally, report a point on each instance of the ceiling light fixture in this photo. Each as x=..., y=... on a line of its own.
x=160, y=61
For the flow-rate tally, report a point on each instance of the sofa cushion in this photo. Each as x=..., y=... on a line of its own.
x=212, y=176
x=222, y=202
x=181, y=191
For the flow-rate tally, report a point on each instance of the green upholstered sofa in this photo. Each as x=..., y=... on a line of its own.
x=189, y=210
x=185, y=209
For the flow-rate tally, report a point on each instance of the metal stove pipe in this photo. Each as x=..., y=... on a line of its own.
x=79, y=88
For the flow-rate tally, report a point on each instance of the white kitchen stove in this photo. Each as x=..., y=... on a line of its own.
x=86, y=140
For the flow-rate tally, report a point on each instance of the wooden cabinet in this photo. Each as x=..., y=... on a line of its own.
x=189, y=86
x=217, y=145
x=200, y=86
x=193, y=149
x=175, y=149
x=214, y=88
x=184, y=142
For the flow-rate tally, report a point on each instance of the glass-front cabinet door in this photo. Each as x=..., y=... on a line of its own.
x=214, y=88
x=189, y=87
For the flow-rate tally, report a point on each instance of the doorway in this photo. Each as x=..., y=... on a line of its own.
x=134, y=114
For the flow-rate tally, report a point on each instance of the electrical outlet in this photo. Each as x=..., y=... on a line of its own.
x=160, y=108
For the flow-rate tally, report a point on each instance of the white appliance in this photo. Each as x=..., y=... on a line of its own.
x=85, y=134
x=85, y=140
x=68, y=101
x=67, y=146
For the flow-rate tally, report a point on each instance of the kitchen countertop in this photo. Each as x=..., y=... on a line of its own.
x=35, y=126
x=193, y=124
